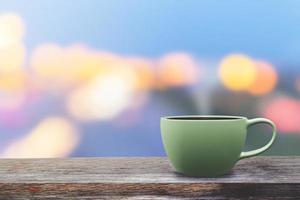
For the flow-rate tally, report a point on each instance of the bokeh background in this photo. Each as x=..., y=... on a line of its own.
x=93, y=78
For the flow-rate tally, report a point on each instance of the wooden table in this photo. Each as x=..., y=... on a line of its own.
x=145, y=178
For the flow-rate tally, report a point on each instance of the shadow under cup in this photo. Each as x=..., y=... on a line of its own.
x=207, y=145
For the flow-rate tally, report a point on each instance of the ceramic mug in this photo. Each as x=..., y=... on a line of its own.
x=208, y=145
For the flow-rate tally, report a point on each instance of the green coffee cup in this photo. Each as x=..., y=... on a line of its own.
x=208, y=145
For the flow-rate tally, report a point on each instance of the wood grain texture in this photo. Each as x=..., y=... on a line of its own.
x=145, y=178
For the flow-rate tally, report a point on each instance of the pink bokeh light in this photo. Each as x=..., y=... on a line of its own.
x=285, y=112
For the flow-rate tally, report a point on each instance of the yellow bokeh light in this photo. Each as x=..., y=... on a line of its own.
x=52, y=137
x=12, y=58
x=13, y=81
x=104, y=98
x=82, y=63
x=145, y=73
x=265, y=80
x=237, y=72
x=178, y=69
x=107, y=59
x=47, y=61
x=70, y=66
x=11, y=29
x=55, y=64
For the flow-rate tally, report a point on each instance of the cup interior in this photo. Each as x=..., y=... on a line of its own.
x=204, y=118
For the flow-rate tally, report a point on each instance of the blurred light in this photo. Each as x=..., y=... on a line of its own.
x=178, y=69
x=107, y=59
x=145, y=73
x=11, y=29
x=104, y=98
x=297, y=84
x=62, y=66
x=47, y=61
x=13, y=81
x=134, y=114
x=52, y=137
x=12, y=97
x=12, y=58
x=11, y=100
x=82, y=63
x=285, y=112
x=265, y=80
x=237, y=72
x=71, y=66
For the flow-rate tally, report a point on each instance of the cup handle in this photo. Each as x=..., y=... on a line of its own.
x=251, y=122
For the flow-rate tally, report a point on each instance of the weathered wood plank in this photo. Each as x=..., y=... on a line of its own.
x=145, y=178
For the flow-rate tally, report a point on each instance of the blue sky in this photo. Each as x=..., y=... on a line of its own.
x=209, y=28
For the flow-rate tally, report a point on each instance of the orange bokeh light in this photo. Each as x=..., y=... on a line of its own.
x=70, y=66
x=144, y=73
x=265, y=80
x=177, y=69
x=13, y=81
x=82, y=63
x=237, y=72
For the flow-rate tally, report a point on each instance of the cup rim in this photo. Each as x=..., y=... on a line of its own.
x=203, y=118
